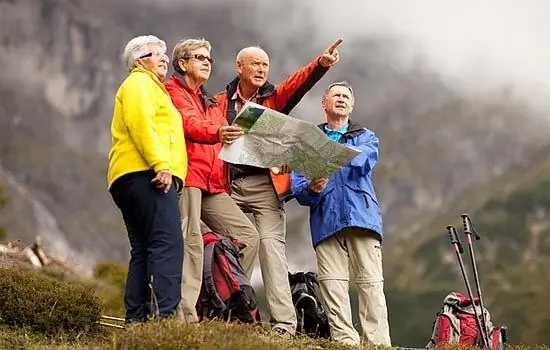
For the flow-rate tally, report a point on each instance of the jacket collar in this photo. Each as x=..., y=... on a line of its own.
x=353, y=130
x=208, y=99
x=150, y=74
x=264, y=91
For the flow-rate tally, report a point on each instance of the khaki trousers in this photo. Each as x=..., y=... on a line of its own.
x=220, y=214
x=256, y=195
x=362, y=251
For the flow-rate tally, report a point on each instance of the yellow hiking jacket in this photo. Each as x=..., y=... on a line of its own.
x=147, y=130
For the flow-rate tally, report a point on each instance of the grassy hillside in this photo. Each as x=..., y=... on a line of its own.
x=512, y=216
x=54, y=125
x=49, y=310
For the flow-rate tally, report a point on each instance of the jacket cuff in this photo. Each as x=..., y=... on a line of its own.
x=161, y=166
x=319, y=66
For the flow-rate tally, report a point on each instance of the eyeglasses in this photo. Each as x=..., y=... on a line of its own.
x=201, y=58
x=156, y=54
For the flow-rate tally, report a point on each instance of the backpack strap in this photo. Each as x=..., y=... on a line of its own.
x=215, y=303
x=449, y=304
x=311, y=282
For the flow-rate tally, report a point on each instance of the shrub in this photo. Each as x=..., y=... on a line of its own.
x=43, y=304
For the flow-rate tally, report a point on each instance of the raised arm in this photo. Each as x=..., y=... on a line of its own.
x=291, y=90
x=138, y=110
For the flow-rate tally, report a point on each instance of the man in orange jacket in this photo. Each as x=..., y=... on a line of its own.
x=263, y=192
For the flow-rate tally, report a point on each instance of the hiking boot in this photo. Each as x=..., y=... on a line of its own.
x=282, y=333
x=133, y=323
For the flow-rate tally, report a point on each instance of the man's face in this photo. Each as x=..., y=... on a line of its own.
x=338, y=101
x=254, y=68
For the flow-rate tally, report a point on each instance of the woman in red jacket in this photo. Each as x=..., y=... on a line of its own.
x=206, y=194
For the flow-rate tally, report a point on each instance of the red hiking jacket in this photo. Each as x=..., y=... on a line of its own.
x=282, y=98
x=202, y=117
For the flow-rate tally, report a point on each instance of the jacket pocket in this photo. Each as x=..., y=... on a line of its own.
x=358, y=197
x=321, y=205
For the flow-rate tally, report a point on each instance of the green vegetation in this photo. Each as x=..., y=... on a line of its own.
x=39, y=311
x=512, y=216
x=111, y=279
x=53, y=309
x=43, y=304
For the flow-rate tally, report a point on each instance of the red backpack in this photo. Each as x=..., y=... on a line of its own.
x=226, y=292
x=456, y=323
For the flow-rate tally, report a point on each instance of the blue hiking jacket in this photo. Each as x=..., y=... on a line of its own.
x=349, y=199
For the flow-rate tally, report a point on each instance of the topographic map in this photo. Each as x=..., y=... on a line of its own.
x=272, y=139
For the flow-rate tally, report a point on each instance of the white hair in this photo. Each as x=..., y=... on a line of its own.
x=245, y=51
x=138, y=46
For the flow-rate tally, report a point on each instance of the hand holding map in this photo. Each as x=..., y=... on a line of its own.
x=272, y=139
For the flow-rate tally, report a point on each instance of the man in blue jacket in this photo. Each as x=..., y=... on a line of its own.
x=346, y=226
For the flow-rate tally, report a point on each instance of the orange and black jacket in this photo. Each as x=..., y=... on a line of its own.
x=282, y=98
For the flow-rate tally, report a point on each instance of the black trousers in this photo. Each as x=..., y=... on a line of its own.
x=152, y=220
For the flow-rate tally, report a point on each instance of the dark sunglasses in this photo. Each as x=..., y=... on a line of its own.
x=201, y=58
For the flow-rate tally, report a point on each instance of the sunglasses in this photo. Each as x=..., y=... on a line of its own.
x=201, y=58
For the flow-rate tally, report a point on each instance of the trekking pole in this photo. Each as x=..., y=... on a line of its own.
x=458, y=248
x=467, y=223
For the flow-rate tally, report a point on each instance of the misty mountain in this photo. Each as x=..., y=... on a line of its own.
x=60, y=67
x=512, y=219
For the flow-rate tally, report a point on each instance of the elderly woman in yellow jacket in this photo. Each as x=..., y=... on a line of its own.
x=147, y=169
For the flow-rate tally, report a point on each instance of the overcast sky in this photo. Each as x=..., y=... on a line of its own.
x=482, y=42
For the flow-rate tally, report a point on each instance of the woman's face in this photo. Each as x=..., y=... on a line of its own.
x=155, y=61
x=198, y=65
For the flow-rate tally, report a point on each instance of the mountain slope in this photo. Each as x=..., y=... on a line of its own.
x=512, y=216
x=56, y=105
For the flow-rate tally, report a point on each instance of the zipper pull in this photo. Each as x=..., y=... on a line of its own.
x=171, y=138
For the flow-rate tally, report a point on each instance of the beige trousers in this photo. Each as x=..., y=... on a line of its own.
x=360, y=250
x=255, y=195
x=220, y=214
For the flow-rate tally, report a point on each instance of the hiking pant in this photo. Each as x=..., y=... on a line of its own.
x=360, y=249
x=153, y=224
x=255, y=194
x=221, y=215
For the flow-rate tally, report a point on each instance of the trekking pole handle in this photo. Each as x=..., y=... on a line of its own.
x=454, y=238
x=467, y=223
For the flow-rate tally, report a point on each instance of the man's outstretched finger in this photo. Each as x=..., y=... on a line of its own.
x=334, y=45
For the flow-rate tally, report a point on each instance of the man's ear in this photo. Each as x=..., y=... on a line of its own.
x=324, y=104
x=239, y=67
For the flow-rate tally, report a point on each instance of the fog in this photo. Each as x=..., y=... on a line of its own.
x=479, y=43
x=476, y=44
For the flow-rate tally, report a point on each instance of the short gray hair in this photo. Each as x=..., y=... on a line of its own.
x=138, y=46
x=244, y=51
x=340, y=83
x=184, y=47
